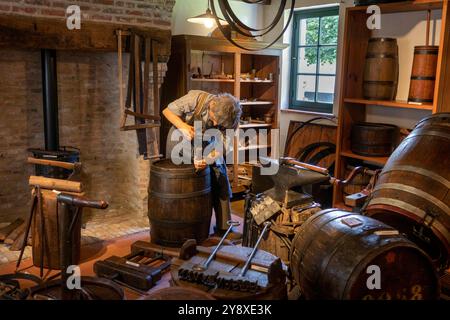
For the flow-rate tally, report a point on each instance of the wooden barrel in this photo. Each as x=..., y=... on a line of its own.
x=423, y=75
x=373, y=139
x=338, y=255
x=48, y=223
x=179, y=203
x=412, y=192
x=381, y=69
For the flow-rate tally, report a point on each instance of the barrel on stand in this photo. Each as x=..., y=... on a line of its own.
x=423, y=75
x=381, y=69
x=179, y=203
x=412, y=192
x=340, y=255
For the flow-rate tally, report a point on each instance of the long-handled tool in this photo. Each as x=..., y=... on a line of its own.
x=204, y=266
x=255, y=248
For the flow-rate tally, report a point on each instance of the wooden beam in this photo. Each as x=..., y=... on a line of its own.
x=34, y=33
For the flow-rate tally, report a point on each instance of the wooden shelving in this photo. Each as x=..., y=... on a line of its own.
x=256, y=103
x=259, y=146
x=392, y=104
x=256, y=81
x=211, y=80
x=353, y=108
x=255, y=125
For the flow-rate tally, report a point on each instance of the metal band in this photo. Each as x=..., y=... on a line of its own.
x=176, y=174
x=420, y=100
x=379, y=82
x=382, y=39
x=417, y=192
x=174, y=224
x=432, y=52
x=380, y=55
x=410, y=208
x=421, y=171
x=180, y=195
x=427, y=132
x=423, y=78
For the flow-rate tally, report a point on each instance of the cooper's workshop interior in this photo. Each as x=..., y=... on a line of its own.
x=225, y=150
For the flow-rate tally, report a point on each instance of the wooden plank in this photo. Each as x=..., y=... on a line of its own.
x=143, y=116
x=15, y=233
x=140, y=126
x=34, y=33
x=5, y=231
x=441, y=93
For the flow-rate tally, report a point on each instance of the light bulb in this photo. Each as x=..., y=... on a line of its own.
x=209, y=23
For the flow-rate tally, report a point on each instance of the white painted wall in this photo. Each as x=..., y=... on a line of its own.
x=250, y=14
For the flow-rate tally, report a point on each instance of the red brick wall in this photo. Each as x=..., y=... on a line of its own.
x=89, y=114
x=133, y=12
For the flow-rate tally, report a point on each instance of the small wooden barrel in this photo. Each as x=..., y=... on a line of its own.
x=373, y=139
x=179, y=203
x=381, y=69
x=49, y=224
x=335, y=253
x=423, y=75
x=412, y=191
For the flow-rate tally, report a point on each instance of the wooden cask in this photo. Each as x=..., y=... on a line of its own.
x=423, y=75
x=179, y=203
x=373, y=139
x=412, y=192
x=334, y=253
x=381, y=69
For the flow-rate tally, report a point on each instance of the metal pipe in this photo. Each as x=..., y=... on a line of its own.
x=205, y=265
x=50, y=99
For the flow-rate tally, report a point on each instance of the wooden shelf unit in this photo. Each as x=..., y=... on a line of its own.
x=352, y=107
x=216, y=56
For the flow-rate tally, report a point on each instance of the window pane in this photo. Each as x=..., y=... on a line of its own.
x=329, y=30
x=327, y=57
x=306, y=88
x=307, y=60
x=309, y=31
x=325, y=92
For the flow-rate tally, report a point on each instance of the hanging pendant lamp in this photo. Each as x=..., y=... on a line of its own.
x=207, y=19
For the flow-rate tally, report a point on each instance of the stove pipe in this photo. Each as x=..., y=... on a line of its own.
x=50, y=99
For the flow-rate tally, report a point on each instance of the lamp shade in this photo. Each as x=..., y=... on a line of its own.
x=207, y=19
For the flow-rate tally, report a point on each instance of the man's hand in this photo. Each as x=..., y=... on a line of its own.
x=188, y=131
x=200, y=164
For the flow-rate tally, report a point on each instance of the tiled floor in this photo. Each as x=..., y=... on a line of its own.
x=96, y=231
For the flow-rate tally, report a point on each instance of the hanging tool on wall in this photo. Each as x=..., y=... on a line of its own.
x=143, y=50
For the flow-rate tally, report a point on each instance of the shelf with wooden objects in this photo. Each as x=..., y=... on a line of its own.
x=353, y=107
x=216, y=66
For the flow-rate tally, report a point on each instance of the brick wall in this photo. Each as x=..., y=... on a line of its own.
x=133, y=12
x=88, y=117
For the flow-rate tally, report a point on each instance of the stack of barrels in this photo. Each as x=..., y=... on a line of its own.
x=401, y=244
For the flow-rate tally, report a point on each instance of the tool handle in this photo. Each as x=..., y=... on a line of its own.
x=308, y=166
x=81, y=202
x=53, y=163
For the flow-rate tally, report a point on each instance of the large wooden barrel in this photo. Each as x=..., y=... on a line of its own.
x=335, y=253
x=179, y=203
x=423, y=75
x=373, y=139
x=381, y=69
x=412, y=192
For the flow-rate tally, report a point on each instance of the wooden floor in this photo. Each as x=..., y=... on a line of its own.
x=102, y=250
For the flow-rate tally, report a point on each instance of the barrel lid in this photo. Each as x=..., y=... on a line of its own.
x=167, y=166
x=441, y=115
x=431, y=48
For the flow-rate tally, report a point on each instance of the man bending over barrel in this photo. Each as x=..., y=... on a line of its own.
x=220, y=112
